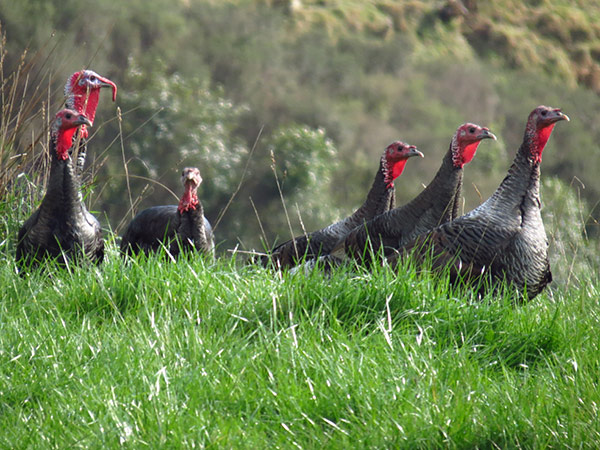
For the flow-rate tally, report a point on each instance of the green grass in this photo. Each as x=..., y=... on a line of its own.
x=162, y=355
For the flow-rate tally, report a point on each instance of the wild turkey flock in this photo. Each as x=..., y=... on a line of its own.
x=501, y=240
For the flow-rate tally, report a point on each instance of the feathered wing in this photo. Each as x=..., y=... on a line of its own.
x=210, y=236
x=436, y=204
x=95, y=244
x=468, y=245
x=321, y=242
x=150, y=229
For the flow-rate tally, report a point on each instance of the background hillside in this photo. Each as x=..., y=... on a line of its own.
x=313, y=90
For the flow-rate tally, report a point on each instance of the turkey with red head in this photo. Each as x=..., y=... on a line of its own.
x=177, y=228
x=61, y=227
x=436, y=204
x=504, y=238
x=379, y=199
x=82, y=93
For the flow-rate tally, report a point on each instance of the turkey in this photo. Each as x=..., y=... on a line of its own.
x=61, y=227
x=82, y=93
x=172, y=227
x=379, y=199
x=504, y=238
x=436, y=204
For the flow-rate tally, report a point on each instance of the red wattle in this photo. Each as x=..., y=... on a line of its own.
x=189, y=200
x=542, y=137
x=397, y=169
x=64, y=142
x=469, y=152
x=89, y=108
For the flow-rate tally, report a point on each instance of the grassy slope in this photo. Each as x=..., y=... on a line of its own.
x=158, y=354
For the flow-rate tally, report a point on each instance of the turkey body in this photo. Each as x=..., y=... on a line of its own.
x=380, y=199
x=61, y=227
x=164, y=226
x=504, y=238
x=436, y=204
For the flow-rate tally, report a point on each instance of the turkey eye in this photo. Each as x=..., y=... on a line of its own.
x=544, y=113
x=68, y=116
x=92, y=78
x=471, y=130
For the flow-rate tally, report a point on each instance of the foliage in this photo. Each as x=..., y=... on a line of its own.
x=303, y=161
x=306, y=94
x=229, y=76
x=183, y=123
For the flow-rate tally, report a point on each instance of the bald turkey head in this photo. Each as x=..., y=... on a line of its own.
x=82, y=93
x=191, y=179
x=466, y=140
x=64, y=127
x=396, y=154
x=539, y=127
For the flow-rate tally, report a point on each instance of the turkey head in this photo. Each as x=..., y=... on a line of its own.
x=466, y=140
x=65, y=126
x=396, y=155
x=539, y=127
x=82, y=92
x=191, y=179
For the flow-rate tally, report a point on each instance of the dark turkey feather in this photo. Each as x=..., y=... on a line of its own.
x=61, y=227
x=171, y=227
x=436, y=204
x=379, y=199
x=504, y=238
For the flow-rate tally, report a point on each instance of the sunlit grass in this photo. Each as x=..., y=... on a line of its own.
x=155, y=353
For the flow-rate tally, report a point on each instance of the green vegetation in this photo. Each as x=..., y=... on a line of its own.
x=216, y=84
x=156, y=354
x=293, y=102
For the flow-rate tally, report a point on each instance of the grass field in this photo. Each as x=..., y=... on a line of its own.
x=191, y=354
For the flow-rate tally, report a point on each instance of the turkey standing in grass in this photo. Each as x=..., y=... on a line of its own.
x=61, y=227
x=379, y=199
x=436, y=204
x=504, y=238
x=172, y=227
x=82, y=93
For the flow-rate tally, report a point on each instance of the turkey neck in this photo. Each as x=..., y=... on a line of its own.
x=194, y=219
x=63, y=185
x=380, y=198
x=442, y=194
x=521, y=184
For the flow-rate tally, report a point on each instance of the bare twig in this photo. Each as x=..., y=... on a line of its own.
x=262, y=230
x=120, y=121
x=237, y=189
x=287, y=216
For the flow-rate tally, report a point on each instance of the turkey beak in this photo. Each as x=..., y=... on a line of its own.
x=560, y=116
x=105, y=82
x=412, y=151
x=196, y=179
x=487, y=134
x=82, y=120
